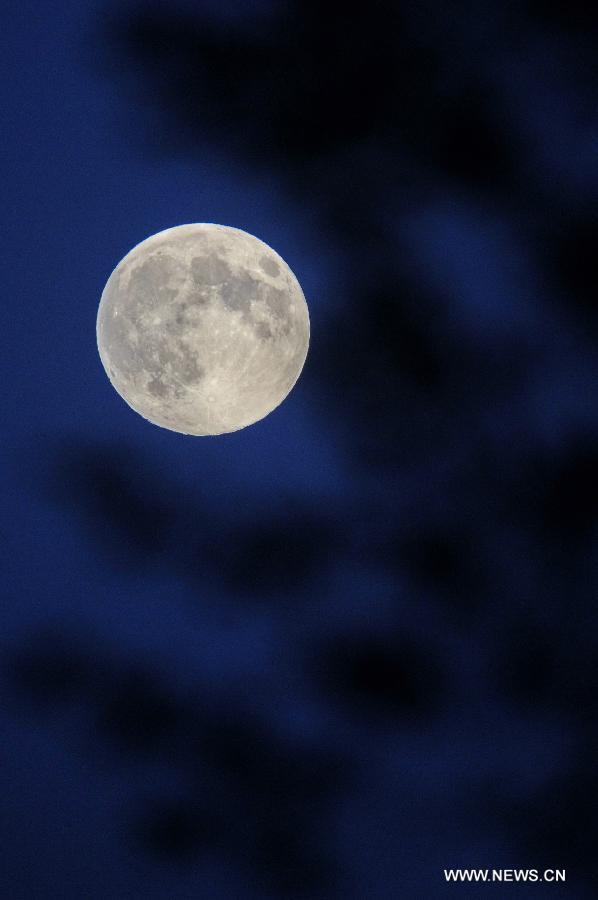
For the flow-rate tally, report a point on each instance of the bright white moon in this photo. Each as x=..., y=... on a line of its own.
x=203, y=329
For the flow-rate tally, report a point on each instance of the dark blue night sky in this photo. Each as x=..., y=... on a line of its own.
x=354, y=644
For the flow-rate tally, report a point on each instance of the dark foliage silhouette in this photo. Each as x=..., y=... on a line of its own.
x=381, y=676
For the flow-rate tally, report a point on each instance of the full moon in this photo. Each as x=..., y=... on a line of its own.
x=203, y=329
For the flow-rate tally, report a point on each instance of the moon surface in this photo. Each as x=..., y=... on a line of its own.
x=203, y=329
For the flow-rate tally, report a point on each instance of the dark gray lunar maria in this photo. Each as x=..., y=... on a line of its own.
x=203, y=329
